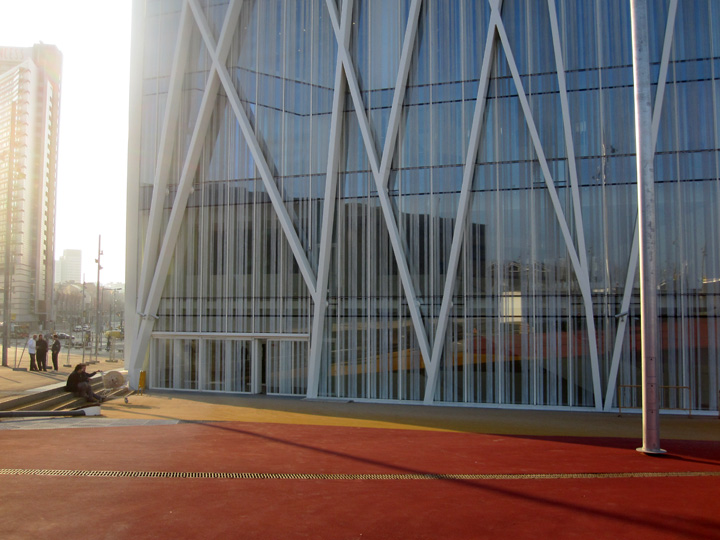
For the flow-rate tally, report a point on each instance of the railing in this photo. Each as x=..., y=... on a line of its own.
x=688, y=408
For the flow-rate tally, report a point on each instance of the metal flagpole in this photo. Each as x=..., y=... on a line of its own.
x=83, y=320
x=647, y=225
x=97, y=302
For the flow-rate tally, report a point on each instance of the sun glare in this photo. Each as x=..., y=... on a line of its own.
x=94, y=38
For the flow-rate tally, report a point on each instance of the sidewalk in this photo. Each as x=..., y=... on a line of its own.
x=201, y=465
x=179, y=406
x=14, y=383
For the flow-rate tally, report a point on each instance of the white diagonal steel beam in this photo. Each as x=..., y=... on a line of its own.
x=331, y=183
x=175, y=221
x=383, y=197
x=580, y=272
x=168, y=136
x=574, y=185
x=399, y=92
x=192, y=158
x=463, y=205
x=634, y=252
x=132, y=258
x=567, y=128
x=354, y=90
x=260, y=161
x=328, y=219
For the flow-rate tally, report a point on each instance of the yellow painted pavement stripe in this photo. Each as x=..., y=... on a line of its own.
x=340, y=476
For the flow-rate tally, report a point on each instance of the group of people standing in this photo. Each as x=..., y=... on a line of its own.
x=79, y=380
x=37, y=347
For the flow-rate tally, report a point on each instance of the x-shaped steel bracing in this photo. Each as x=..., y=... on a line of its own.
x=155, y=265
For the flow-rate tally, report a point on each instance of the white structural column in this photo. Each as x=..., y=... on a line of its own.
x=168, y=137
x=252, y=142
x=132, y=225
x=393, y=233
x=464, y=202
x=647, y=225
x=634, y=251
x=328, y=219
x=580, y=272
x=142, y=340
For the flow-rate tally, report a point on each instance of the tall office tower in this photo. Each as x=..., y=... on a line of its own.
x=70, y=266
x=29, y=122
x=420, y=201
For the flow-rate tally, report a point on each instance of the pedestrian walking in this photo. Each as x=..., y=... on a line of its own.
x=42, y=349
x=56, y=346
x=32, y=350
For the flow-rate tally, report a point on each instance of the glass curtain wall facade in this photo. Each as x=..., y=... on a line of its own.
x=422, y=200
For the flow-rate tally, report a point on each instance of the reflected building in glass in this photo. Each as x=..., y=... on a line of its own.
x=420, y=201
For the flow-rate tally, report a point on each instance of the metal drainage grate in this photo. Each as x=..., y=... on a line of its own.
x=318, y=476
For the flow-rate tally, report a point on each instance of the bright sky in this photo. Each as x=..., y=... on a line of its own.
x=94, y=38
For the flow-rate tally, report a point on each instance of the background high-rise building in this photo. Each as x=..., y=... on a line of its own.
x=420, y=201
x=68, y=268
x=29, y=123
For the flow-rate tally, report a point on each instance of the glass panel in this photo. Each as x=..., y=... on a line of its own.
x=213, y=365
x=238, y=375
x=163, y=372
x=286, y=367
x=186, y=355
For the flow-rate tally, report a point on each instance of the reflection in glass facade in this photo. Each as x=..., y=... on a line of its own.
x=419, y=201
